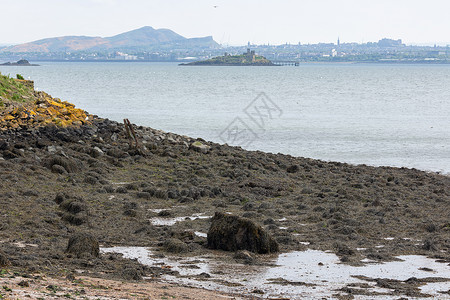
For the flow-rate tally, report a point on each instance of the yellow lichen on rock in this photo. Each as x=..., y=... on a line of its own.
x=43, y=111
x=22, y=106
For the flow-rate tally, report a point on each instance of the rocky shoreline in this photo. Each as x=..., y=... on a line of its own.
x=97, y=178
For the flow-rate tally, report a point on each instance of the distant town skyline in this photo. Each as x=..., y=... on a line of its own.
x=233, y=22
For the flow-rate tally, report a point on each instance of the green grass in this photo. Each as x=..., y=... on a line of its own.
x=12, y=90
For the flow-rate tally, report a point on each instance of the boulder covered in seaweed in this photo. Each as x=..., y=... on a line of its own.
x=232, y=233
x=83, y=244
x=4, y=262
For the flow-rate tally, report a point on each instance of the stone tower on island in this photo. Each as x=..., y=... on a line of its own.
x=250, y=55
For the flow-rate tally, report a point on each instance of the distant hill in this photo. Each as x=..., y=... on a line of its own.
x=145, y=38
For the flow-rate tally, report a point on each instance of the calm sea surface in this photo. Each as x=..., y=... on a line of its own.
x=396, y=115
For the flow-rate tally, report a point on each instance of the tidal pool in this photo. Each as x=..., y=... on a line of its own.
x=296, y=275
x=161, y=221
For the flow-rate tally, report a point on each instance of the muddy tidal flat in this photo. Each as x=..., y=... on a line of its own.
x=343, y=231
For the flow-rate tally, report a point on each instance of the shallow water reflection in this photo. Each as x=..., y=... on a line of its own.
x=295, y=275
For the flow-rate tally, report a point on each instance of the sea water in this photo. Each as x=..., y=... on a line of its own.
x=374, y=114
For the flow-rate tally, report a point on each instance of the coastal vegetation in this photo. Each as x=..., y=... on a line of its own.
x=22, y=106
x=12, y=90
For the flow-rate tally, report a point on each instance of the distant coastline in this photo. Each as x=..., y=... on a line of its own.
x=405, y=62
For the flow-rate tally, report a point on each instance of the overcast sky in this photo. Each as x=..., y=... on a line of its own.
x=233, y=22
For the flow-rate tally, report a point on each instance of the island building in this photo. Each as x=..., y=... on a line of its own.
x=250, y=55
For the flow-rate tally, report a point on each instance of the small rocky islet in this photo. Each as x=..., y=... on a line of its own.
x=19, y=63
x=249, y=58
x=72, y=182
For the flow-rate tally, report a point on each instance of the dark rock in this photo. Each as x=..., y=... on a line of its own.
x=130, y=273
x=175, y=246
x=184, y=236
x=431, y=227
x=250, y=215
x=59, y=198
x=130, y=213
x=244, y=255
x=64, y=136
x=199, y=147
x=249, y=206
x=58, y=169
x=292, y=169
x=186, y=200
x=132, y=186
x=161, y=194
x=4, y=145
x=268, y=221
x=165, y=213
x=23, y=283
x=232, y=233
x=30, y=193
x=77, y=220
x=144, y=195
x=81, y=244
x=70, y=277
x=203, y=275
x=219, y=203
x=95, y=152
x=90, y=179
x=109, y=189
x=429, y=244
x=216, y=191
x=173, y=194
x=342, y=249
x=130, y=205
x=4, y=262
x=121, y=190
x=9, y=155
x=73, y=206
x=70, y=165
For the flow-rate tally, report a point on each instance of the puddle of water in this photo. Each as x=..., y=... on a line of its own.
x=171, y=221
x=410, y=239
x=23, y=245
x=200, y=234
x=432, y=287
x=367, y=260
x=156, y=210
x=320, y=270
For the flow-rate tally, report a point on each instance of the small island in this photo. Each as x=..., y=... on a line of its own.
x=21, y=63
x=248, y=58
